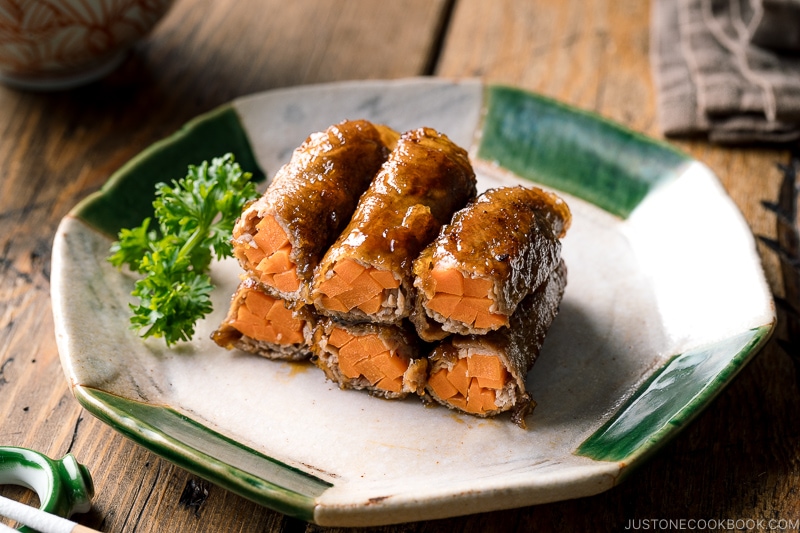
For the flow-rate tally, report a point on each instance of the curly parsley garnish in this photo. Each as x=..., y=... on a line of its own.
x=194, y=220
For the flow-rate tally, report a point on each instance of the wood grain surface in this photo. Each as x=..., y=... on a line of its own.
x=739, y=460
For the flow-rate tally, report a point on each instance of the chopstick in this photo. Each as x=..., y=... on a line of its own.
x=37, y=519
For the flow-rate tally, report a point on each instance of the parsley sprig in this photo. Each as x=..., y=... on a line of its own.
x=194, y=220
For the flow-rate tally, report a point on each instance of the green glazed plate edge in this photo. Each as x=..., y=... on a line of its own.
x=511, y=144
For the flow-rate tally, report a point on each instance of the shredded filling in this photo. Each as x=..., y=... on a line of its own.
x=368, y=356
x=271, y=256
x=472, y=383
x=264, y=318
x=355, y=286
x=464, y=299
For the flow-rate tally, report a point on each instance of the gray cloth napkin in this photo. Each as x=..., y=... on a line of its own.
x=728, y=69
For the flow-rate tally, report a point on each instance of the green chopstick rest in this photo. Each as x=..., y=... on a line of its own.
x=64, y=486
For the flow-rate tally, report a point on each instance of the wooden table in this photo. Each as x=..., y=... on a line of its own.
x=739, y=460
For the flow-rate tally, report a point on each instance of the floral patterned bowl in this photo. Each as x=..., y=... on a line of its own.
x=59, y=44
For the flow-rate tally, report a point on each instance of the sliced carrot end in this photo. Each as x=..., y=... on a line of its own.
x=464, y=299
x=339, y=337
x=258, y=303
x=485, y=366
x=471, y=383
x=254, y=254
x=271, y=257
x=464, y=313
x=470, y=310
x=459, y=378
x=286, y=281
x=385, y=278
x=448, y=281
x=370, y=370
x=371, y=344
x=391, y=385
x=441, y=385
x=354, y=286
x=392, y=366
x=333, y=304
x=373, y=305
x=250, y=325
x=264, y=318
x=277, y=262
x=334, y=286
x=444, y=304
x=270, y=235
x=368, y=356
x=349, y=270
x=485, y=320
x=477, y=287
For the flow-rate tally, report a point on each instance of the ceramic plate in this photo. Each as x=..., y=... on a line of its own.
x=666, y=301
